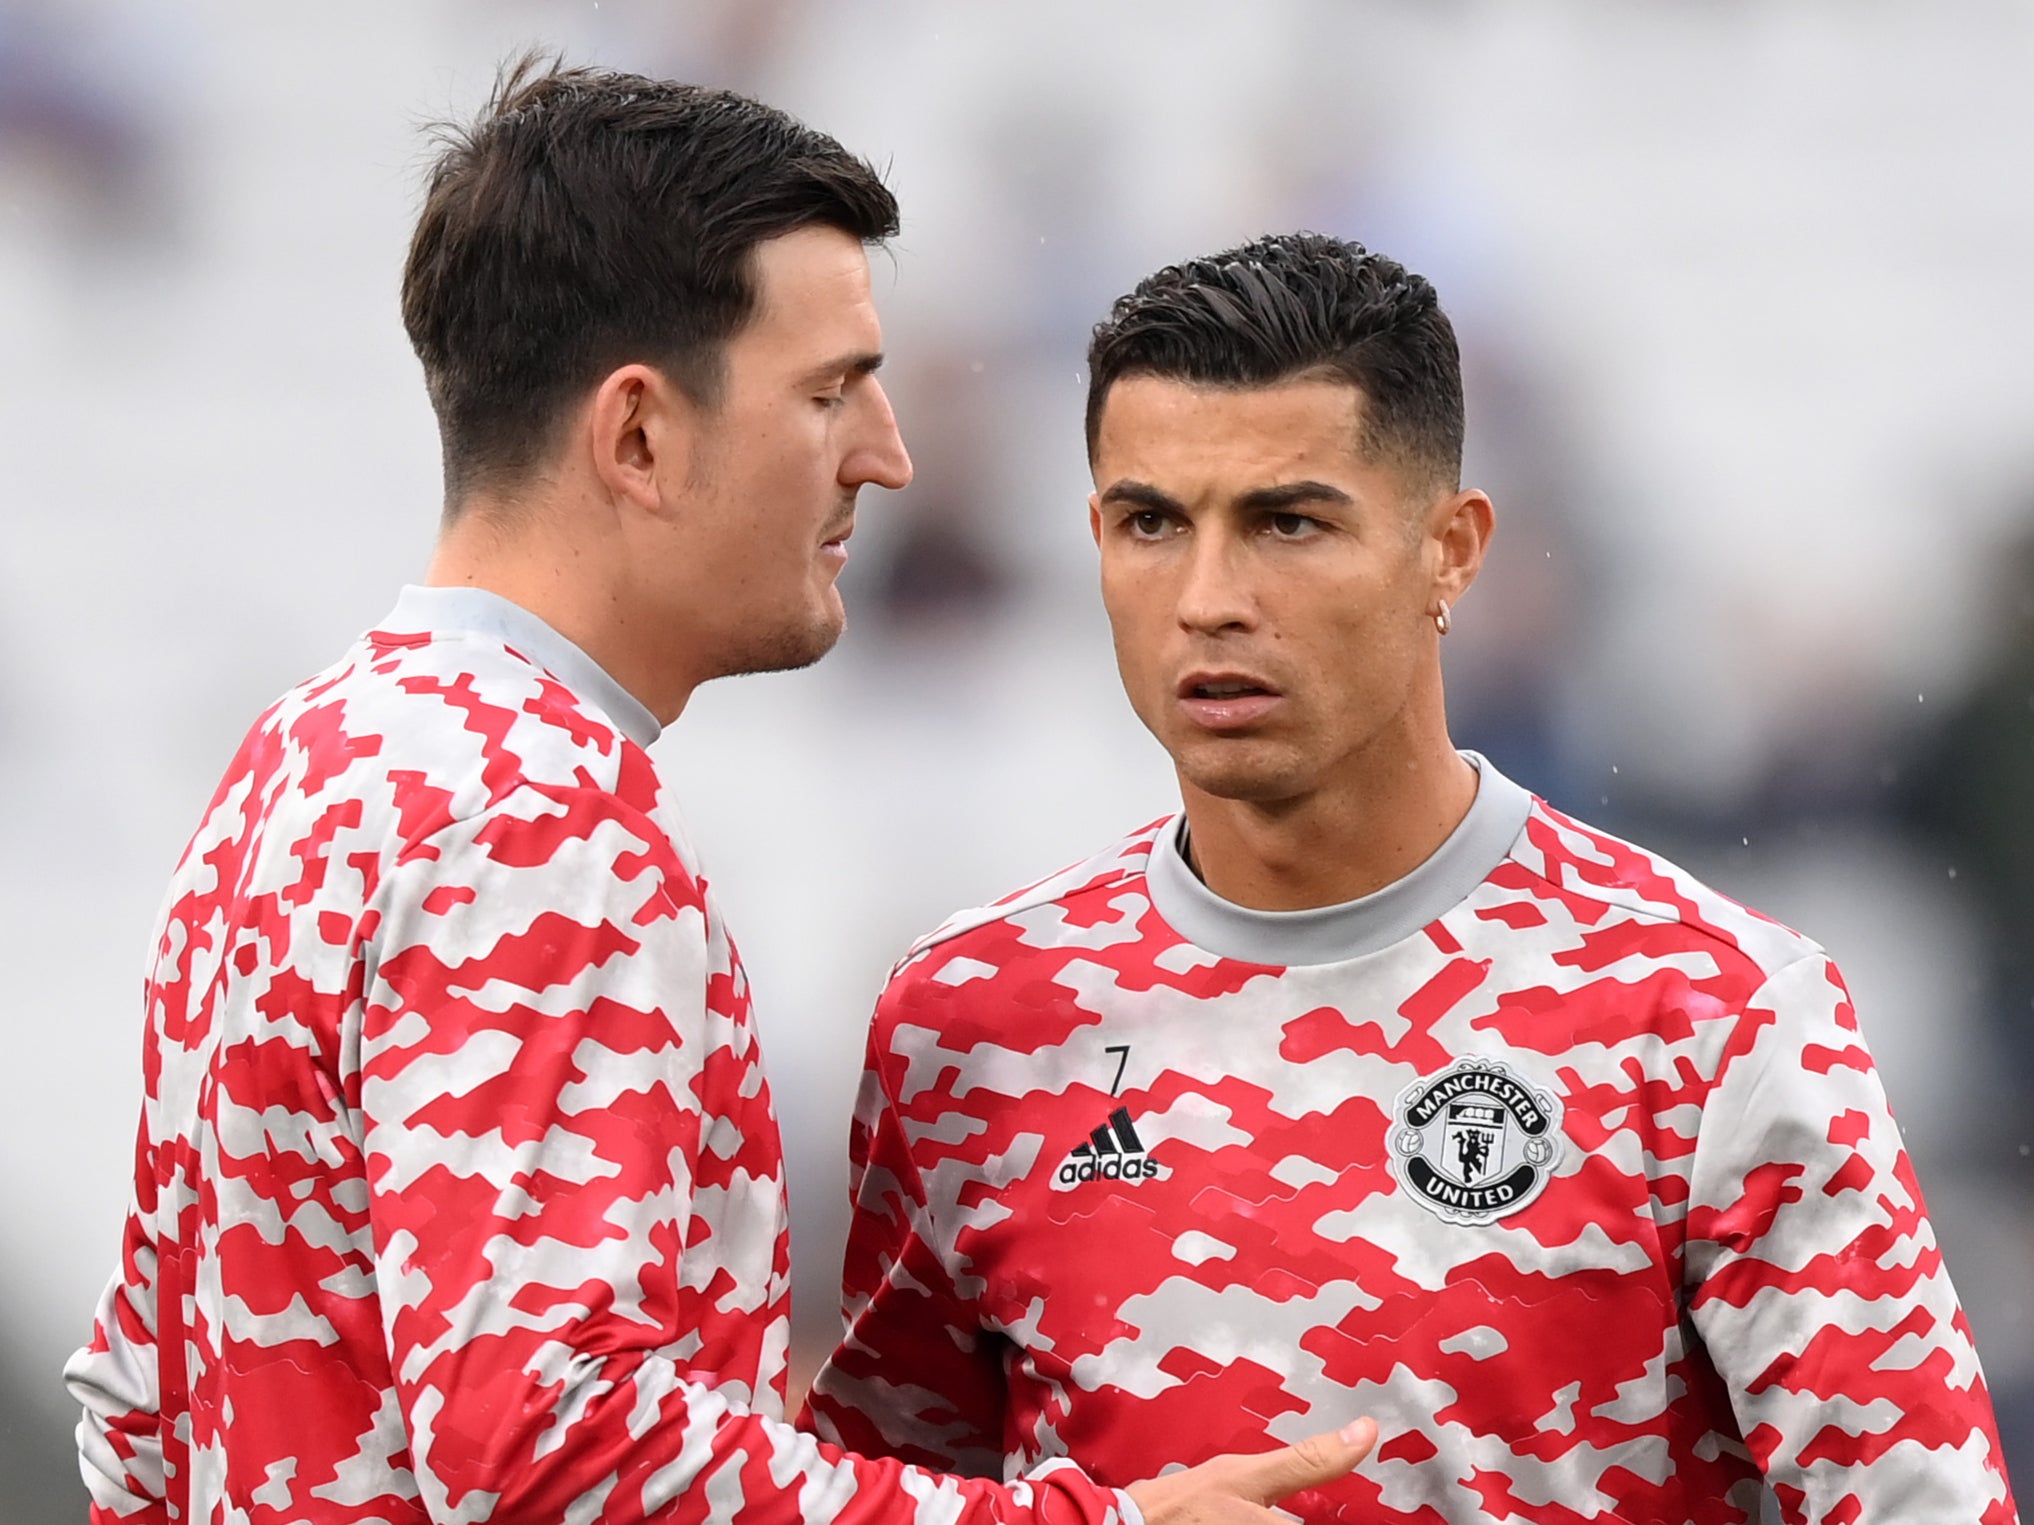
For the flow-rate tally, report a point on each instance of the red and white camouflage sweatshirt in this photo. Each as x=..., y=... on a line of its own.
x=1573, y=1173
x=458, y=1195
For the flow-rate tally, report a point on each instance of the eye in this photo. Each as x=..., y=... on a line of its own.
x=830, y=399
x=1293, y=526
x=1146, y=523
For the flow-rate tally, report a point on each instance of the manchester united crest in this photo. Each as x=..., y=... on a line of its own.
x=1475, y=1142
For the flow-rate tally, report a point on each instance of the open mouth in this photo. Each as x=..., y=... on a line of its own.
x=1224, y=686
x=1227, y=701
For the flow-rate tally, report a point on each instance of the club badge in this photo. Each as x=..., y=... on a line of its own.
x=1475, y=1142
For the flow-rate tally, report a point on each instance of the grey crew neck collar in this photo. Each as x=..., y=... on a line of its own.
x=1329, y=934
x=475, y=611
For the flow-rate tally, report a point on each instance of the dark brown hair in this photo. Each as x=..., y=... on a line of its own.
x=1294, y=305
x=589, y=219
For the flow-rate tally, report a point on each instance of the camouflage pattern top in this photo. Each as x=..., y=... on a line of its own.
x=458, y=1195
x=1574, y=1174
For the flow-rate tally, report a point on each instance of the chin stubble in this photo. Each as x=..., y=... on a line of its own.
x=787, y=649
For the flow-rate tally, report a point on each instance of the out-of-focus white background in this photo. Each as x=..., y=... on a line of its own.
x=1745, y=301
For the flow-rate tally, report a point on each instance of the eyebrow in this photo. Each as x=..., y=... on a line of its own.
x=1291, y=495
x=1258, y=500
x=861, y=362
x=1142, y=494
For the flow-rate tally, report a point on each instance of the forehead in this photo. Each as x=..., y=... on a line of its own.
x=1192, y=438
x=813, y=298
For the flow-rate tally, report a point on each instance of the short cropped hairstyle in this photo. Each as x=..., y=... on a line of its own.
x=1294, y=306
x=589, y=219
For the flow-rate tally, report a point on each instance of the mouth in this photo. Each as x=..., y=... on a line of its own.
x=834, y=546
x=1224, y=685
x=1226, y=701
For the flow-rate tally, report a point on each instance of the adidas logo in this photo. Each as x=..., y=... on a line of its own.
x=1113, y=1152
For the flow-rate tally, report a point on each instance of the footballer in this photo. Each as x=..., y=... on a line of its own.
x=1368, y=1081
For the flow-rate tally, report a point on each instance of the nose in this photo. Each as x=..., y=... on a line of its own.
x=878, y=454
x=1216, y=594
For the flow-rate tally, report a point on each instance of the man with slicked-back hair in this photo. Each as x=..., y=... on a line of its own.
x=1367, y=1079
x=458, y=1194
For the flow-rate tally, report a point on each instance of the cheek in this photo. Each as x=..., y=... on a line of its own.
x=1354, y=647
x=1137, y=639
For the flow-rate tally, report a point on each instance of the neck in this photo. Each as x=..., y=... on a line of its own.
x=1378, y=820
x=577, y=583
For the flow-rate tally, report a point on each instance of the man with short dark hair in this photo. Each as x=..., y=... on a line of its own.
x=458, y=1193
x=1368, y=1079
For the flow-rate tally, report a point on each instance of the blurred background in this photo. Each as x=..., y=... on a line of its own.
x=1743, y=291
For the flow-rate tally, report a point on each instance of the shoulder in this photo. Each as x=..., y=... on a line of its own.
x=1610, y=883
x=410, y=747
x=1117, y=869
x=996, y=973
x=451, y=725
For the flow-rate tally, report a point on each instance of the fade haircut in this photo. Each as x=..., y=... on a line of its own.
x=1292, y=307
x=589, y=219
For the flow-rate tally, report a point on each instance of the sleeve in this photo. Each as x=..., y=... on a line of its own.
x=915, y=1376
x=532, y=1038
x=116, y=1377
x=1816, y=1286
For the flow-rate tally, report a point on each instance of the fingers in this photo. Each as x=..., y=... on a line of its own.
x=1317, y=1459
x=1237, y=1489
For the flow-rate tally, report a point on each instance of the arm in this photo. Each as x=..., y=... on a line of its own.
x=915, y=1376
x=534, y=1048
x=116, y=1377
x=1816, y=1285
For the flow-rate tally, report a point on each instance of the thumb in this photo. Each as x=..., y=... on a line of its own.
x=1317, y=1459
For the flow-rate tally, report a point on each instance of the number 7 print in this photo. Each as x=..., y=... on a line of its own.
x=1122, y=1053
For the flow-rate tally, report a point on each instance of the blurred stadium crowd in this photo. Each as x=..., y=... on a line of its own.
x=1743, y=296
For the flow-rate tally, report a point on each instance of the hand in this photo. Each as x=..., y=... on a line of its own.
x=1238, y=1489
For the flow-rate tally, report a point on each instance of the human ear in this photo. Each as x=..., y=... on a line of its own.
x=641, y=430
x=1095, y=516
x=1459, y=529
